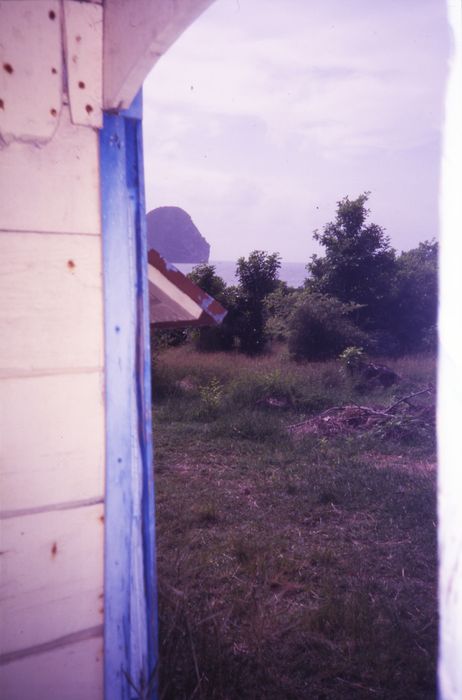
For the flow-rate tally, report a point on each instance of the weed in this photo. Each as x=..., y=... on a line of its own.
x=211, y=395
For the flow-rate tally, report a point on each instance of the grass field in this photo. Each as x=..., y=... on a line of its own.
x=293, y=564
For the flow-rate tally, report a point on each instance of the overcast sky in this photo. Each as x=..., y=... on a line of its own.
x=265, y=113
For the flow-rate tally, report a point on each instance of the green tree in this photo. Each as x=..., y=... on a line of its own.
x=279, y=306
x=358, y=265
x=415, y=298
x=204, y=275
x=258, y=277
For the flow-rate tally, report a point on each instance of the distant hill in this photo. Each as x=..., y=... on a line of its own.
x=171, y=231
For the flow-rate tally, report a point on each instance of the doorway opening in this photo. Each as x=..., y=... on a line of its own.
x=295, y=445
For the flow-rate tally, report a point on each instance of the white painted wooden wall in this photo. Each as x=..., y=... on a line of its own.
x=52, y=416
x=51, y=354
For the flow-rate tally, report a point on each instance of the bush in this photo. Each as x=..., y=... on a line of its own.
x=320, y=328
x=162, y=338
x=279, y=306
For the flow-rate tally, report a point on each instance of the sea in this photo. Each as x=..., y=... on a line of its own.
x=294, y=273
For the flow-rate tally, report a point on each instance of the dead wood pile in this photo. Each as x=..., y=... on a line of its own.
x=352, y=418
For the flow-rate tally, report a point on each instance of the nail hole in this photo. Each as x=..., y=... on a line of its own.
x=81, y=84
x=78, y=37
x=52, y=14
x=54, y=549
x=54, y=71
x=53, y=112
x=88, y=109
x=8, y=67
x=70, y=264
x=2, y=104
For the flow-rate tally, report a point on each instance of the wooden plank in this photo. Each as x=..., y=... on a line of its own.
x=130, y=602
x=55, y=188
x=53, y=456
x=83, y=24
x=136, y=35
x=31, y=78
x=50, y=303
x=71, y=672
x=52, y=576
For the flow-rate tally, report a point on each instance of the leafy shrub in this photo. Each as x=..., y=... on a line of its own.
x=211, y=395
x=279, y=306
x=320, y=328
x=162, y=338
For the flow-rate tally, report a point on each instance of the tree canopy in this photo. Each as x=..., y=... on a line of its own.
x=396, y=295
x=258, y=277
x=358, y=264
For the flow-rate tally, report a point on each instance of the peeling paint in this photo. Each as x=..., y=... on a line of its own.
x=32, y=97
x=130, y=598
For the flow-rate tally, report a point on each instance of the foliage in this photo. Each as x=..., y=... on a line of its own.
x=205, y=277
x=359, y=293
x=162, y=338
x=358, y=265
x=258, y=277
x=321, y=327
x=415, y=303
x=396, y=296
x=279, y=307
x=211, y=395
x=258, y=274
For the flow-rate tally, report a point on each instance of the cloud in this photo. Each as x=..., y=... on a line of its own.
x=263, y=108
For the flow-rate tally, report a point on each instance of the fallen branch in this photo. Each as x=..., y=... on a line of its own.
x=354, y=416
x=406, y=399
x=320, y=415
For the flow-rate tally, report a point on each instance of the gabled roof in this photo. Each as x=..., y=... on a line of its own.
x=175, y=301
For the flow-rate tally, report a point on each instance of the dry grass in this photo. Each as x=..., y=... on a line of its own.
x=289, y=569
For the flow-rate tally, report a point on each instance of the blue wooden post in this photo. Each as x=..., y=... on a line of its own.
x=130, y=634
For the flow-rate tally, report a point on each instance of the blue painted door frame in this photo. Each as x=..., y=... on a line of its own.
x=130, y=600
